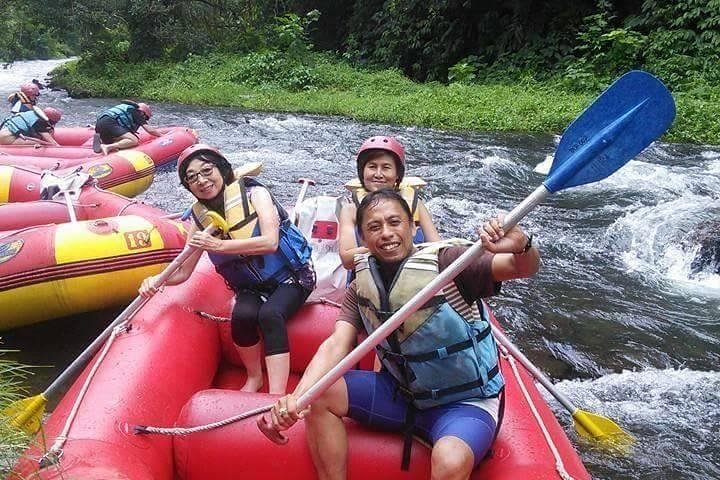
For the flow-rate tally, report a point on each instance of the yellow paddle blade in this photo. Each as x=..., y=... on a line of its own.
x=27, y=413
x=598, y=428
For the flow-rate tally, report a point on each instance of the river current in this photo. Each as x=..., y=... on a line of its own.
x=615, y=316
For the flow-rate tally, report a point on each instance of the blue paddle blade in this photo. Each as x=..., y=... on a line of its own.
x=627, y=117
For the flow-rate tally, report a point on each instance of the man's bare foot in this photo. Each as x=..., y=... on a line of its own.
x=106, y=149
x=252, y=385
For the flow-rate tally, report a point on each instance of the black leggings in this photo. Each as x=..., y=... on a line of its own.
x=250, y=312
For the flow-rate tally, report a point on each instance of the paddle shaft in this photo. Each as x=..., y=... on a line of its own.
x=420, y=299
x=126, y=314
x=36, y=141
x=534, y=371
x=71, y=209
x=301, y=196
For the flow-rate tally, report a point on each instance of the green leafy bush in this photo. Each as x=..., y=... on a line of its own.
x=462, y=72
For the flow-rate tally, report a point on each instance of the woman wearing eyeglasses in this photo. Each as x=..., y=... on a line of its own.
x=32, y=127
x=264, y=259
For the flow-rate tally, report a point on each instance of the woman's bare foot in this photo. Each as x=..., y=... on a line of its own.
x=252, y=385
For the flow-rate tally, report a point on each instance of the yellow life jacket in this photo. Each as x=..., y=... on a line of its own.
x=14, y=97
x=254, y=271
x=409, y=189
x=241, y=216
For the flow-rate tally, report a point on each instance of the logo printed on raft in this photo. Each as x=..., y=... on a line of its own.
x=10, y=249
x=100, y=171
x=166, y=141
x=137, y=239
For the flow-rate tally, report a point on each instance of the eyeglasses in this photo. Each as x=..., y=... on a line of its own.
x=205, y=171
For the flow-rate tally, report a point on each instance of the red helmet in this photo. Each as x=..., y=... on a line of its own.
x=212, y=155
x=53, y=114
x=145, y=108
x=30, y=89
x=389, y=144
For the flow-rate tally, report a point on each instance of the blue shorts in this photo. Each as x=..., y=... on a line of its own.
x=371, y=402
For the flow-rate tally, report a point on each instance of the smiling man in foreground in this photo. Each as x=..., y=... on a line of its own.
x=440, y=377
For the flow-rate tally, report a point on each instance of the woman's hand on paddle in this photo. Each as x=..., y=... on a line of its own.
x=496, y=240
x=281, y=417
x=149, y=287
x=205, y=241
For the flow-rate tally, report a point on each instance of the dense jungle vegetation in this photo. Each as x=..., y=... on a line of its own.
x=493, y=65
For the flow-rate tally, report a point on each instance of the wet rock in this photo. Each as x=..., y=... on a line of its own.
x=708, y=256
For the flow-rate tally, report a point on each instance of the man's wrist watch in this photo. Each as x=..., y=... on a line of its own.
x=528, y=245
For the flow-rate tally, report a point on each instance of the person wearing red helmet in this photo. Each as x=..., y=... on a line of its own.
x=381, y=164
x=116, y=128
x=264, y=258
x=24, y=99
x=32, y=127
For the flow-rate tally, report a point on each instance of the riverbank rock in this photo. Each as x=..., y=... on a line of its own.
x=707, y=259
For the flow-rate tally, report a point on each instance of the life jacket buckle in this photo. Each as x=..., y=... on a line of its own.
x=442, y=353
x=435, y=394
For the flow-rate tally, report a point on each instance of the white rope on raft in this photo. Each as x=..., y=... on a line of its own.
x=143, y=429
x=52, y=456
x=559, y=465
x=216, y=318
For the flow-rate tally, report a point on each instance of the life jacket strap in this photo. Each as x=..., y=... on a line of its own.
x=439, y=393
x=384, y=315
x=245, y=221
x=447, y=351
x=408, y=433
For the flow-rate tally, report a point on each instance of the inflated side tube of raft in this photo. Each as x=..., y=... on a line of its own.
x=128, y=172
x=76, y=146
x=51, y=271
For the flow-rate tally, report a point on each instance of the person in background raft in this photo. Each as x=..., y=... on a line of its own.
x=30, y=128
x=25, y=99
x=265, y=259
x=457, y=412
x=116, y=128
x=381, y=164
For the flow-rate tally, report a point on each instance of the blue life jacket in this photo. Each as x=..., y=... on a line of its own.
x=22, y=123
x=255, y=271
x=123, y=113
x=445, y=351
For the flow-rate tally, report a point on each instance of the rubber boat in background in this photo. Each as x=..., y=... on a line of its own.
x=177, y=366
x=127, y=172
x=55, y=261
x=76, y=147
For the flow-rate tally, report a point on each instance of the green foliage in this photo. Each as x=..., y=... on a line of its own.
x=683, y=39
x=257, y=81
x=27, y=32
x=291, y=33
x=462, y=72
x=12, y=441
x=275, y=68
x=425, y=38
x=604, y=51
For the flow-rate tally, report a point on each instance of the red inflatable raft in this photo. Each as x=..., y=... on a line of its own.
x=178, y=367
x=76, y=148
x=128, y=172
x=52, y=267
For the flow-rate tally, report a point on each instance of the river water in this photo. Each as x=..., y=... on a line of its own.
x=614, y=317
